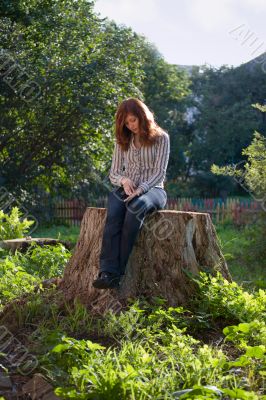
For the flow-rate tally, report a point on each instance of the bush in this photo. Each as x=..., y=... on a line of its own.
x=11, y=226
x=20, y=273
x=227, y=300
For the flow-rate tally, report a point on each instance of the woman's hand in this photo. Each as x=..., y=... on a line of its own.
x=128, y=185
x=137, y=192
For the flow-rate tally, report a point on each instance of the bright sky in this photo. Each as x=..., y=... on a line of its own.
x=195, y=32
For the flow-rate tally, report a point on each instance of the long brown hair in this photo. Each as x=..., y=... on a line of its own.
x=149, y=129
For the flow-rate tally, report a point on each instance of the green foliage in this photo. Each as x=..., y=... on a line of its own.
x=240, y=394
x=45, y=262
x=78, y=319
x=255, y=233
x=247, y=333
x=15, y=281
x=82, y=66
x=63, y=232
x=199, y=392
x=222, y=122
x=133, y=371
x=165, y=88
x=12, y=226
x=20, y=273
x=253, y=178
x=149, y=322
x=154, y=355
x=255, y=168
x=245, y=253
x=149, y=350
x=223, y=299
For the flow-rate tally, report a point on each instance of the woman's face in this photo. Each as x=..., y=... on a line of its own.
x=132, y=123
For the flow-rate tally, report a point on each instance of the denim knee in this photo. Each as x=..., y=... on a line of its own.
x=138, y=207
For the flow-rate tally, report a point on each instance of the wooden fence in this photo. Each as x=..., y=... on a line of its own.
x=236, y=210
x=70, y=211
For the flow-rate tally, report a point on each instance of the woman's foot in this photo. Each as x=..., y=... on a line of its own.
x=106, y=280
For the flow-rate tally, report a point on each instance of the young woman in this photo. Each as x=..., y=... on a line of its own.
x=142, y=148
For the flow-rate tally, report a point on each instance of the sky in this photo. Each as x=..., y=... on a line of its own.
x=195, y=32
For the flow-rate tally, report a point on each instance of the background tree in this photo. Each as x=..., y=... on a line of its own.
x=224, y=121
x=165, y=88
x=251, y=173
x=84, y=66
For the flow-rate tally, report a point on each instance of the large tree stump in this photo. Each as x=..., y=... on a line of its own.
x=169, y=244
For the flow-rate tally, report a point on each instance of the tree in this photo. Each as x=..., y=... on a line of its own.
x=165, y=87
x=83, y=67
x=253, y=176
x=223, y=121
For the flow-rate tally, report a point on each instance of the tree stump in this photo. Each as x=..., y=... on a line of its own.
x=170, y=245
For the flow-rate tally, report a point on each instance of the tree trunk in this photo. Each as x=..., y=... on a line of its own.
x=170, y=246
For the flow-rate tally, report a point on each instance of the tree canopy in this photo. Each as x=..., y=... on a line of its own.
x=83, y=66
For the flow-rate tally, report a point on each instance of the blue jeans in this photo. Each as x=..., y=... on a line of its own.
x=123, y=222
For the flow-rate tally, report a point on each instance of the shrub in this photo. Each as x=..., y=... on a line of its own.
x=11, y=226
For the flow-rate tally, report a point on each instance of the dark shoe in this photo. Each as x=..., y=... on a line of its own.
x=106, y=280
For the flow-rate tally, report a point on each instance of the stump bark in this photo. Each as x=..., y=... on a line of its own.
x=170, y=245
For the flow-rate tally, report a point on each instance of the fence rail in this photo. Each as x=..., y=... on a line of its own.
x=238, y=211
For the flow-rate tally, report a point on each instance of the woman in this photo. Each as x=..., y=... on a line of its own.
x=142, y=147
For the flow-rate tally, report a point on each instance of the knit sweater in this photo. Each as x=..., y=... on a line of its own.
x=146, y=166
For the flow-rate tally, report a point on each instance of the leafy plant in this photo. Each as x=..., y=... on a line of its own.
x=21, y=273
x=12, y=226
x=228, y=300
x=247, y=333
x=253, y=177
x=14, y=280
x=45, y=262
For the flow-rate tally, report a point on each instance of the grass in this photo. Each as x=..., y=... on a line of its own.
x=245, y=260
x=63, y=232
x=147, y=351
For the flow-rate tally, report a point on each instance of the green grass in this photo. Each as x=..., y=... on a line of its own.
x=243, y=254
x=63, y=232
x=217, y=344
x=149, y=351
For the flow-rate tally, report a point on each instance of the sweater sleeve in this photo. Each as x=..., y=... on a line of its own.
x=160, y=166
x=116, y=170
